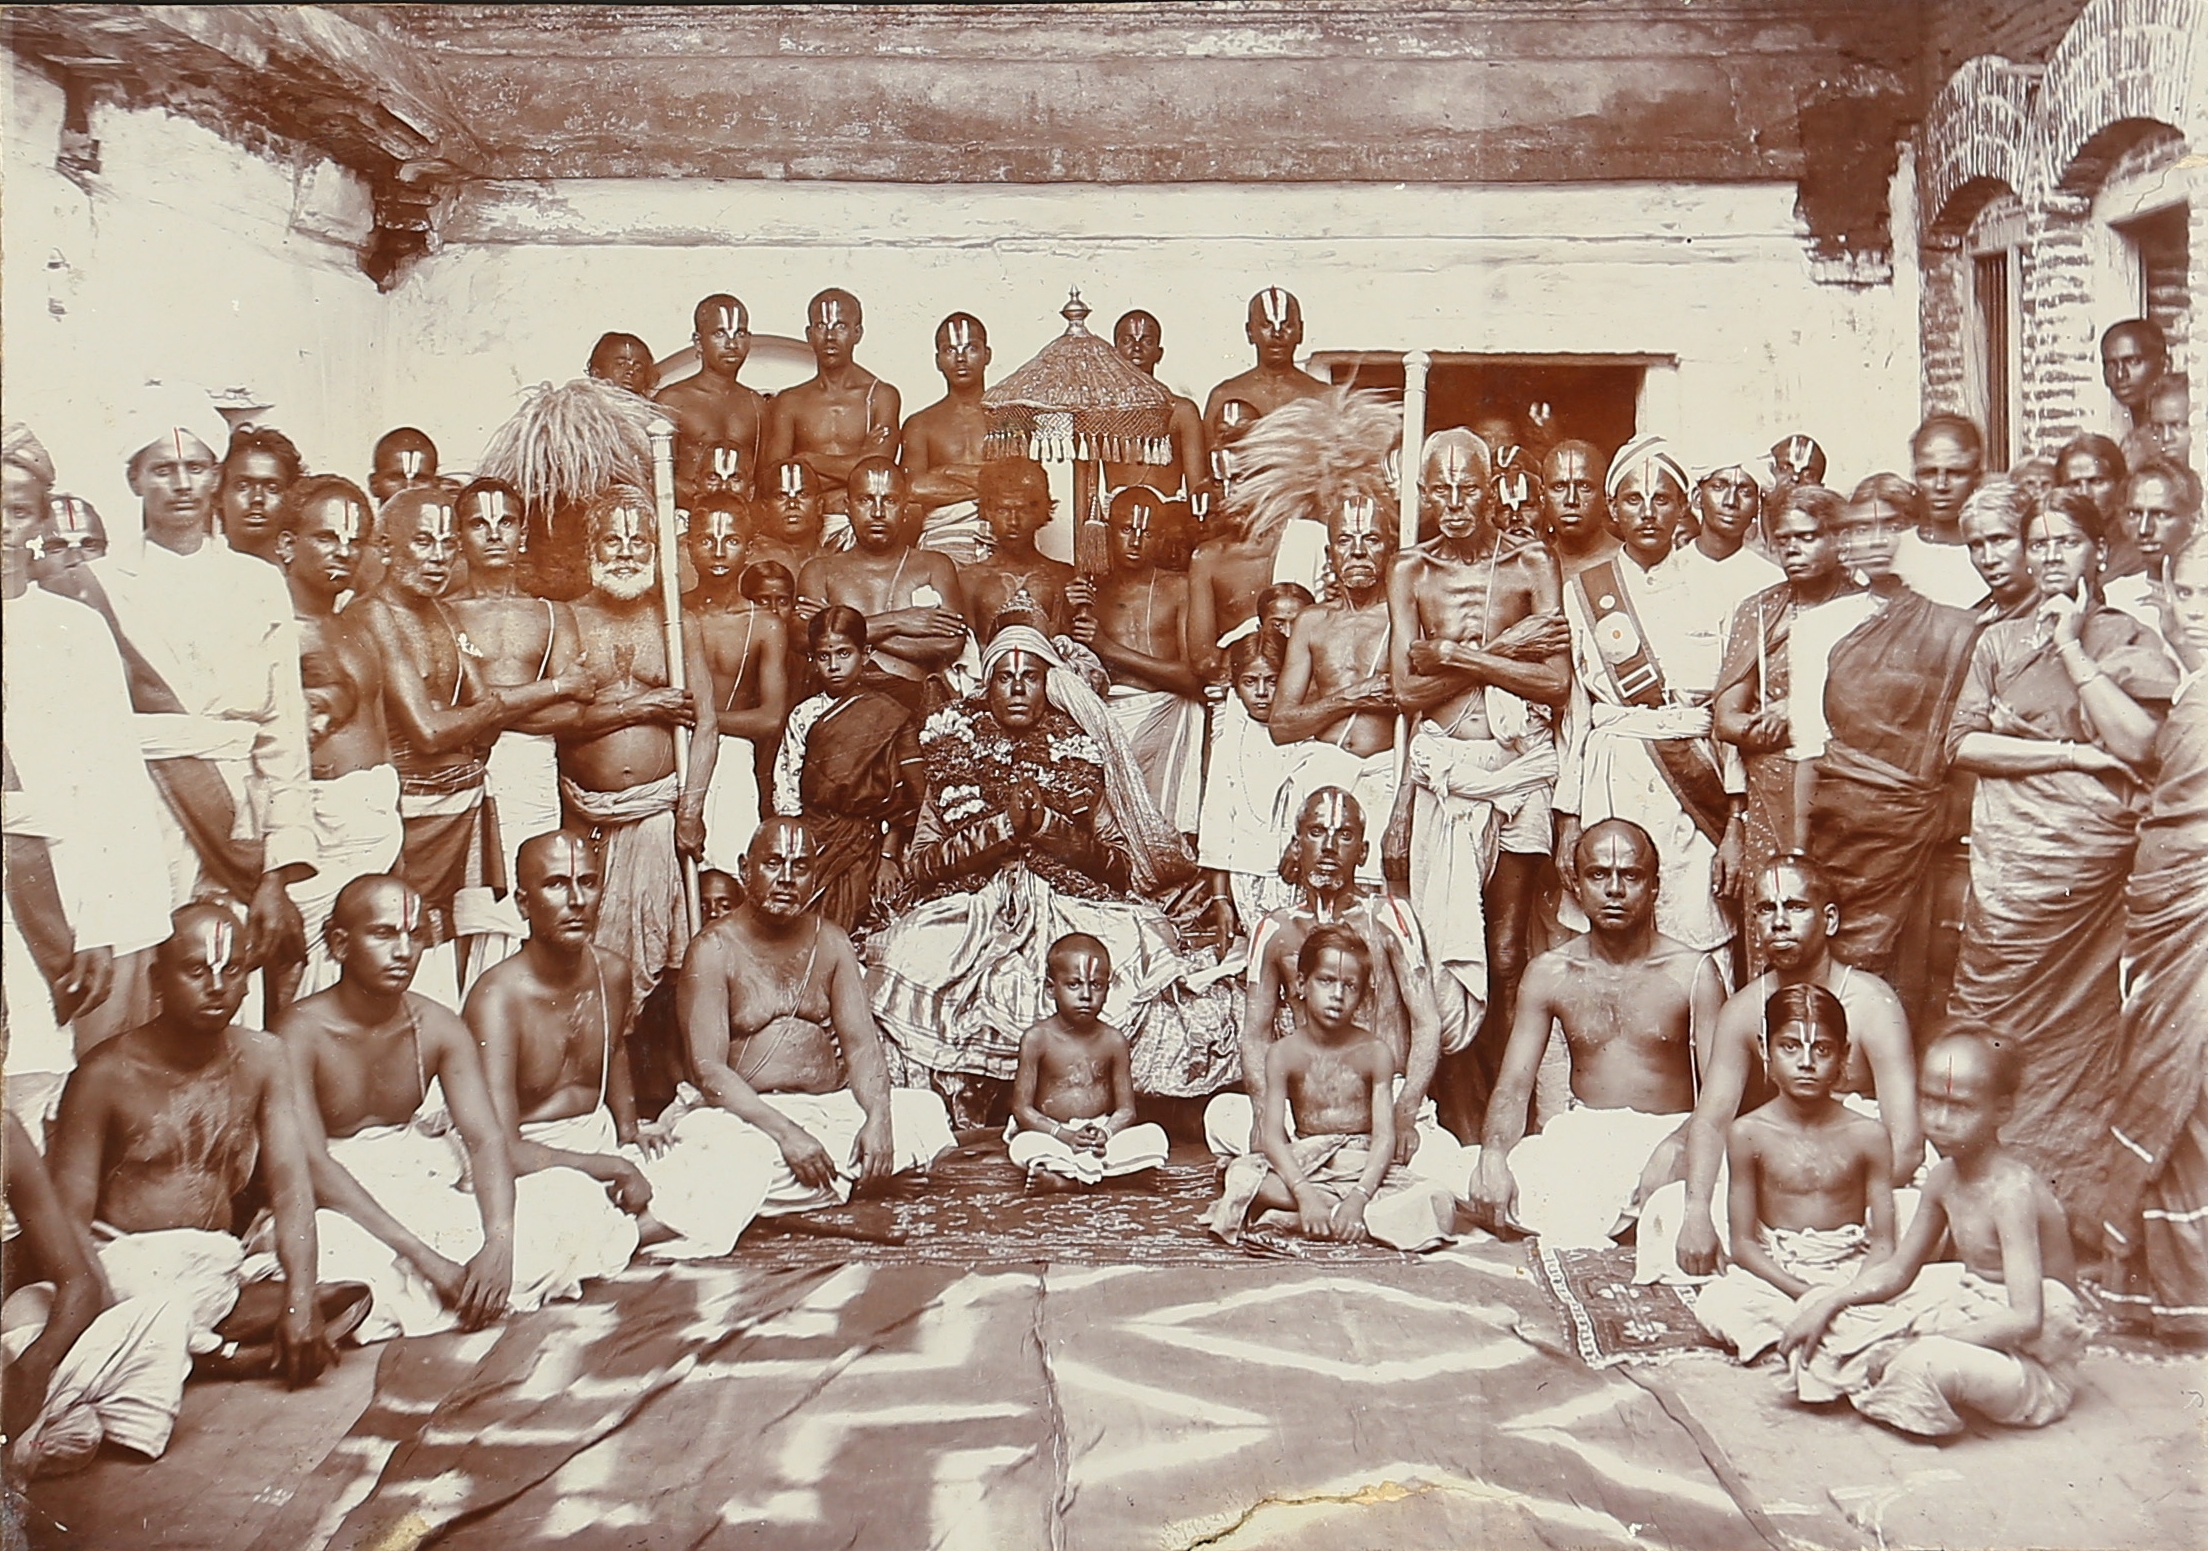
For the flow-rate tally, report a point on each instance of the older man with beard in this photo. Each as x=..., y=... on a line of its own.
x=621, y=785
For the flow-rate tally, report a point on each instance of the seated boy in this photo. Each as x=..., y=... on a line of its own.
x=1073, y=1102
x=1913, y=1344
x=1808, y=1174
x=1338, y=1178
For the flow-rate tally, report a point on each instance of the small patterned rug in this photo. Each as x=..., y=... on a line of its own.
x=1612, y=1319
x=973, y=1208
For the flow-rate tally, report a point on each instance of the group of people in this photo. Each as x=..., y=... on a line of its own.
x=1852, y=843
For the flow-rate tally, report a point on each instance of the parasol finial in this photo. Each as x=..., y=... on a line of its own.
x=1075, y=312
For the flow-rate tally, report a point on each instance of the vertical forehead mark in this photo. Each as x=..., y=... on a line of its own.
x=727, y=320
x=440, y=521
x=410, y=910
x=959, y=333
x=829, y=311
x=412, y=460
x=628, y=525
x=69, y=516
x=176, y=435
x=789, y=479
x=1333, y=814
x=727, y=461
x=221, y=941
x=574, y=861
x=720, y=523
x=1274, y=305
x=349, y=522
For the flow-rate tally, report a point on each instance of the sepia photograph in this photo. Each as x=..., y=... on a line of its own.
x=1223, y=775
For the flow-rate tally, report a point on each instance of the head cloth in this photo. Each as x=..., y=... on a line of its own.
x=1732, y=450
x=163, y=409
x=1156, y=849
x=19, y=447
x=1637, y=452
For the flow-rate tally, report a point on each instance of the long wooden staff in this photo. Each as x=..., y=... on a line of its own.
x=670, y=598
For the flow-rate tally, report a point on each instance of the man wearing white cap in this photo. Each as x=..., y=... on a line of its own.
x=1647, y=642
x=79, y=785
x=214, y=656
x=1729, y=486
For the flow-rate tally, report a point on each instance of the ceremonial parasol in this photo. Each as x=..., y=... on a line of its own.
x=1079, y=402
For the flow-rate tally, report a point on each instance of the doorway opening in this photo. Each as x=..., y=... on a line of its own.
x=1540, y=399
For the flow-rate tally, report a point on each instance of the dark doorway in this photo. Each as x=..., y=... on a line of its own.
x=1592, y=398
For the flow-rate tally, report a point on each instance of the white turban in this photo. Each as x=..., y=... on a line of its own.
x=19, y=447
x=1745, y=453
x=1643, y=450
x=163, y=409
x=1153, y=844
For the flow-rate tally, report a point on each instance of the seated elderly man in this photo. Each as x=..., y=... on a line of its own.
x=1638, y=1010
x=394, y=1213
x=553, y=1024
x=793, y=1100
x=1400, y=1008
x=160, y=1132
x=1037, y=823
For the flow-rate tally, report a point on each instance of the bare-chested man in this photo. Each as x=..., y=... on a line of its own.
x=1276, y=330
x=1140, y=340
x=324, y=526
x=402, y=457
x=915, y=610
x=1335, y=685
x=1155, y=696
x=782, y=1043
x=940, y=448
x=365, y=1057
x=1639, y=1013
x=711, y=409
x=1479, y=649
x=1226, y=575
x=840, y=415
x=553, y=1024
x=1796, y=916
x=160, y=1131
x=786, y=517
x=1322, y=862
x=622, y=782
x=514, y=638
x=1014, y=494
x=1573, y=514
x=747, y=645
x=443, y=717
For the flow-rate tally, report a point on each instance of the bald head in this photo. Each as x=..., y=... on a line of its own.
x=371, y=895
x=556, y=850
x=201, y=930
x=403, y=457
x=1623, y=831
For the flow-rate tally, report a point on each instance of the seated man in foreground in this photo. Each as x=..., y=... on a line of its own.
x=393, y=1214
x=1337, y=1084
x=553, y=1024
x=160, y=1130
x=1796, y=919
x=1636, y=1008
x=1397, y=1006
x=783, y=1047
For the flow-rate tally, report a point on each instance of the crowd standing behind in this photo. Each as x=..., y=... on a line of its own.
x=1855, y=844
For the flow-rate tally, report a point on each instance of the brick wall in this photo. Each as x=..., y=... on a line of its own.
x=2085, y=94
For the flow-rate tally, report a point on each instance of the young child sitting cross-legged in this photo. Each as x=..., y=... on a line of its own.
x=1073, y=1102
x=1338, y=1179
x=1811, y=1192
x=1914, y=1344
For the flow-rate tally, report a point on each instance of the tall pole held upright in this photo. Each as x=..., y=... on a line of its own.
x=662, y=433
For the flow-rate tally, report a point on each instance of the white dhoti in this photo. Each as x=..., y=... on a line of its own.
x=1166, y=733
x=357, y=831
x=522, y=776
x=565, y=1230
x=707, y=1194
x=1132, y=1151
x=640, y=911
x=1407, y=1212
x=1579, y=1179
x=1247, y=818
x=1464, y=794
x=955, y=528
x=1748, y=1314
x=122, y=1381
x=1371, y=780
x=919, y=1126
x=731, y=804
x=1619, y=778
x=1925, y=1376
x=1230, y=1131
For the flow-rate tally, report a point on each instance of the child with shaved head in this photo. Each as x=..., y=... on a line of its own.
x=1914, y=1343
x=1811, y=1193
x=1073, y=1101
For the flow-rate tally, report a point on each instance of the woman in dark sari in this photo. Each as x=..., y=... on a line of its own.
x=1878, y=815
x=850, y=765
x=2154, y=1221
x=2057, y=717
